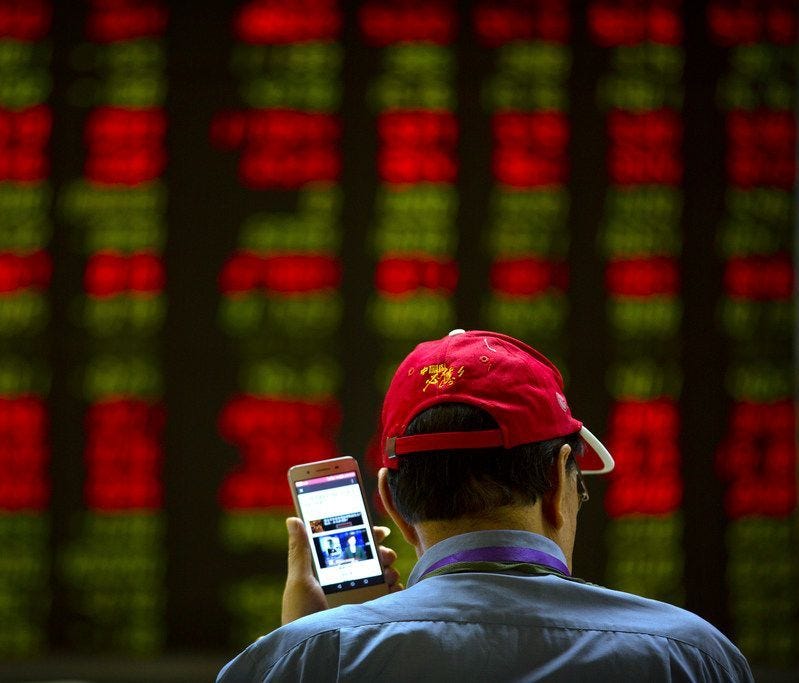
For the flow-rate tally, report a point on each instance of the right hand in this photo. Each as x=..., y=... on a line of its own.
x=303, y=595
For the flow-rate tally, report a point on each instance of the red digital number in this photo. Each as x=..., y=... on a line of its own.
x=24, y=136
x=528, y=276
x=643, y=438
x=285, y=273
x=642, y=277
x=761, y=148
x=498, y=23
x=278, y=22
x=758, y=460
x=762, y=278
x=26, y=20
x=123, y=455
x=24, y=454
x=273, y=435
x=417, y=146
x=745, y=22
x=645, y=147
x=281, y=148
x=630, y=22
x=399, y=276
x=115, y=20
x=125, y=146
x=384, y=22
x=24, y=271
x=109, y=273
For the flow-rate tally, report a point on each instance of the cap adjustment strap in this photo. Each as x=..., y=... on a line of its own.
x=403, y=445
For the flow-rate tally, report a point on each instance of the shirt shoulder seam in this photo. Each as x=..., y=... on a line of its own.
x=287, y=652
x=337, y=630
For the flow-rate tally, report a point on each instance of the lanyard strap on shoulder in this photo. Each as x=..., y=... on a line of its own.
x=526, y=568
x=499, y=559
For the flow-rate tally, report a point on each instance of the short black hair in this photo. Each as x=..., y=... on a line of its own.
x=448, y=484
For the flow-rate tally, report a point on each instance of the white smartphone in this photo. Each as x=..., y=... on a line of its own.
x=330, y=500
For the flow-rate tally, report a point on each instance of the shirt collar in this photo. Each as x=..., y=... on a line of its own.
x=483, y=539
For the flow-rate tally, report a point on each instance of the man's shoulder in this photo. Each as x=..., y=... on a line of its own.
x=317, y=633
x=555, y=603
x=455, y=609
x=579, y=610
x=622, y=612
x=592, y=605
x=627, y=611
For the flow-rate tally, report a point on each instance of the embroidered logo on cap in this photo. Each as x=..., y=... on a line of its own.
x=441, y=375
x=562, y=401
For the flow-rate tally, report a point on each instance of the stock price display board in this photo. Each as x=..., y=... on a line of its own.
x=222, y=227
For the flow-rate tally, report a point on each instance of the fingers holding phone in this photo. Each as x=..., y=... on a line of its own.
x=387, y=558
x=302, y=594
x=341, y=548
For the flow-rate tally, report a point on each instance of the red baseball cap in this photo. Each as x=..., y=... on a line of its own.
x=511, y=381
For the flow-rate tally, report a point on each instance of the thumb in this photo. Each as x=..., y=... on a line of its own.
x=299, y=556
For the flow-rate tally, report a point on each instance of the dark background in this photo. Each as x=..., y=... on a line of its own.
x=205, y=206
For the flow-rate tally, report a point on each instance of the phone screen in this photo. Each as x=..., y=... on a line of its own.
x=335, y=516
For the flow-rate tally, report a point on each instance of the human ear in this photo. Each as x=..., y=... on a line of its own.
x=407, y=530
x=555, y=501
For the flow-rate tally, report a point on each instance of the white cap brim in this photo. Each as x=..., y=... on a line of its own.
x=602, y=453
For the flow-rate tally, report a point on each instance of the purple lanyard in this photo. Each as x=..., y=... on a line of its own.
x=501, y=554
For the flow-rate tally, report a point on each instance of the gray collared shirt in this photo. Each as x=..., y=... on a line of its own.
x=480, y=626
